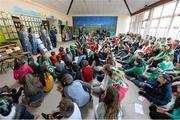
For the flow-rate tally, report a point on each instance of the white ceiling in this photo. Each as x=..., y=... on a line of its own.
x=96, y=6
x=136, y=5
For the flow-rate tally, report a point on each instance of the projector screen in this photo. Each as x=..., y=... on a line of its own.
x=91, y=24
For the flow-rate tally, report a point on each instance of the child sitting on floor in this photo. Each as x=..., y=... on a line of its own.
x=166, y=64
x=59, y=64
x=72, y=89
x=33, y=91
x=110, y=60
x=33, y=64
x=47, y=81
x=67, y=110
x=87, y=71
x=9, y=111
x=53, y=58
x=61, y=51
x=137, y=70
x=109, y=108
x=11, y=93
x=49, y=68
x=43, y=57
x=21, y=69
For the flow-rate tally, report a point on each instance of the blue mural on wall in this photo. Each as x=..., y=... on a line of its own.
x=93, y=23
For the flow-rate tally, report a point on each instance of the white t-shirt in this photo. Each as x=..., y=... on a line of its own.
x=104, y=83
x=76, y=114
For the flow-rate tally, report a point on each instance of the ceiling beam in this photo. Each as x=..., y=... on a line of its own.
x=151, y=6
x=69, y=7
x=128, y=7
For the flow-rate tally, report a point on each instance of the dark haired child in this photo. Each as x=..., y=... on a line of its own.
x=53, y=58
x=49, y=68
x=137, y=69
x=87, y=71
x=33, y=91
x=21, y=69
x=66, y=110
x=10, y=111
x=47, y=81
x=33, y=64
x=12, y=93
x=61, y=51
x=43, y=57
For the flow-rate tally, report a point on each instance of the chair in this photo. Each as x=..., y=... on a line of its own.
x=9, y=60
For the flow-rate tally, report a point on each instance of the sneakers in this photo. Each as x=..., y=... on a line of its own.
x=141, y=93
x=45, y=116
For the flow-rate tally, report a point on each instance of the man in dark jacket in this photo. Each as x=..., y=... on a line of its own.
x=53, y=33
x=160, y=94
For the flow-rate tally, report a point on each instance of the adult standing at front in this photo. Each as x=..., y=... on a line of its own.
x=45, y=37
x=53, y=33
x=33, y=40
x=23, y=36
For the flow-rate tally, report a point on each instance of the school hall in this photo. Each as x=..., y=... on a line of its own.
x=89, y=59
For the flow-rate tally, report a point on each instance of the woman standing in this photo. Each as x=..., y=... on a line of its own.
x=32, y=39
x=45, y=37
x=48, y=40
x=23, y=36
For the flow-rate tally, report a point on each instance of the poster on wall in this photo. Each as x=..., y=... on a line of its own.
x=66, y=33
x=90, y=24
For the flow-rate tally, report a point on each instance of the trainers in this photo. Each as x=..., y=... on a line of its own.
x=141, y=93
x=45, y=116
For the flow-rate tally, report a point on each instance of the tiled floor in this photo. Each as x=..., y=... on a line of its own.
x=53, y=98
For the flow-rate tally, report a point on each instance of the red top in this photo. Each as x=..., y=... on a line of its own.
x=116, y=41
x=61, y=53
x=53, y=59
x=148, y=50
x=94, y=47
x=87, y=73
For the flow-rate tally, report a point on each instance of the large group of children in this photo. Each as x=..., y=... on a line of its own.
x=98, y=67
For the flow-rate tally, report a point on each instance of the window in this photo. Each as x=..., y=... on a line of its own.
x=164, y=23
x=178, y=37
x=174, y=27
x=157, y=12
x=163, y=27
x=154, y=23
x=146, y=15
x=152, y=32
x=161, y=32
x=144, y=24
x=168, y=9
x=178, y=9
